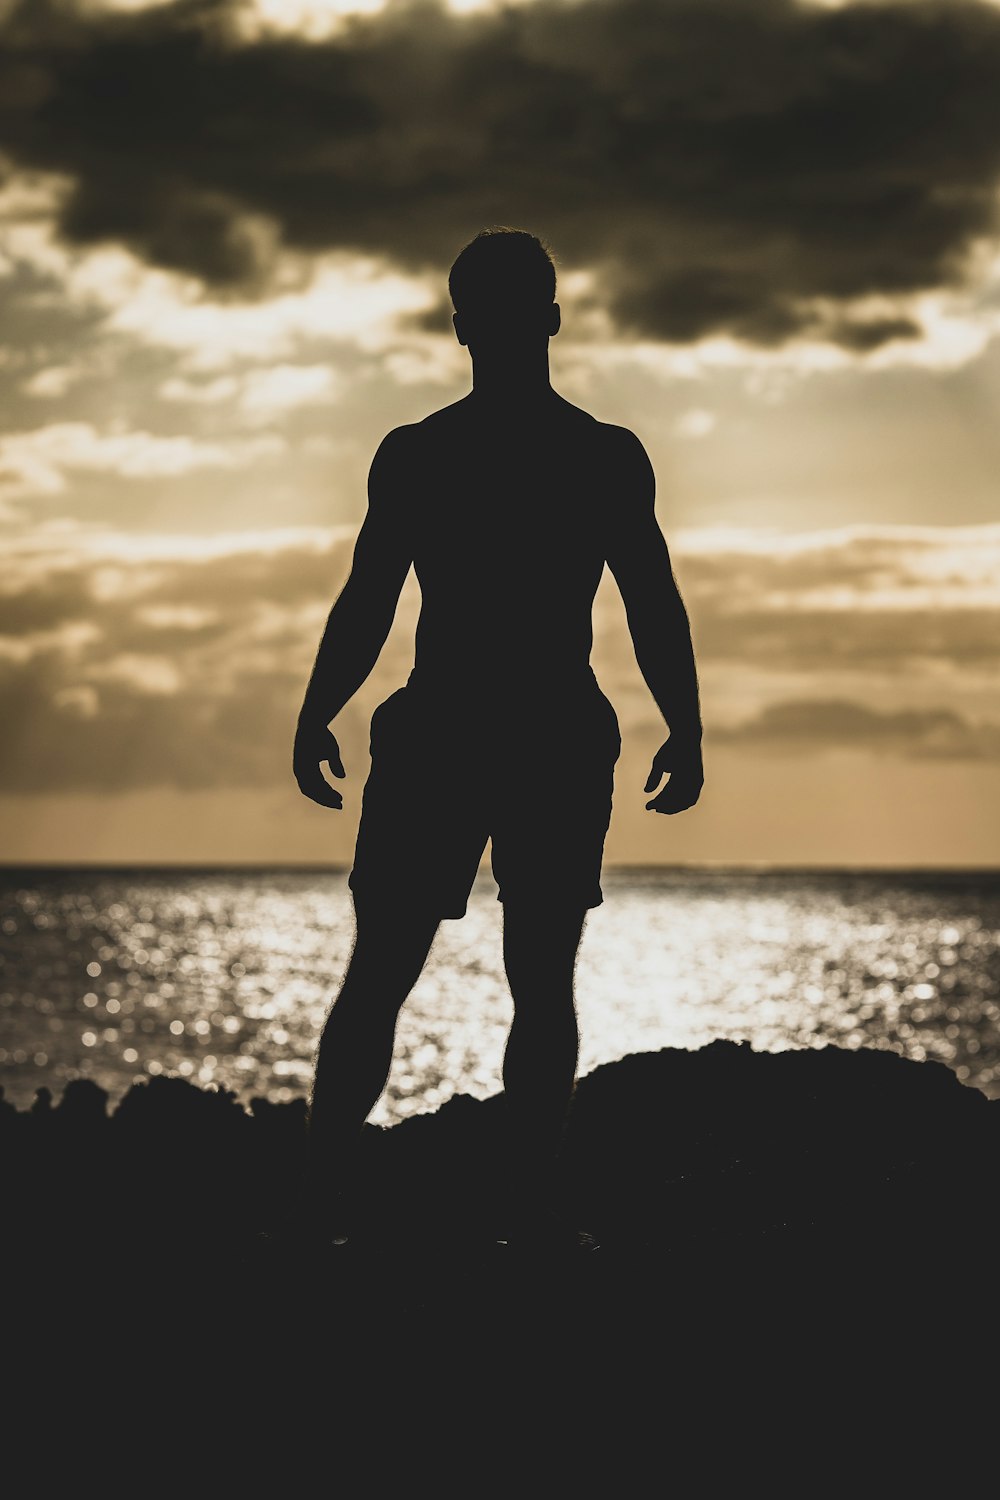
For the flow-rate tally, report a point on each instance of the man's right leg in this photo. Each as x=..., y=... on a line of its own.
x=355, y=1050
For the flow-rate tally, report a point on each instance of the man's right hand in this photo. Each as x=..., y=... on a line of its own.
x=314, y=747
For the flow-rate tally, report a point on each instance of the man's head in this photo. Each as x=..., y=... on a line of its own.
x=503, y=287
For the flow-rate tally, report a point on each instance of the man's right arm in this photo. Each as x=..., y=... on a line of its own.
x=658, y=623
x=359, y=621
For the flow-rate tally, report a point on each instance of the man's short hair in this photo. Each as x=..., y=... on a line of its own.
x=502, y=269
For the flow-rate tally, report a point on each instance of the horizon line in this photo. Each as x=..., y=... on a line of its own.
x=342, y=868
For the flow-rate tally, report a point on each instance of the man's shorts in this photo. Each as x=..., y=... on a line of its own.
x=446, y=777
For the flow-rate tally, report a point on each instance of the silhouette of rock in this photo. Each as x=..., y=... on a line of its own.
x=83, y=1103
x=669, y=1150
x=774, y=1228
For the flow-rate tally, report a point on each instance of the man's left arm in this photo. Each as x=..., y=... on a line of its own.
x=658, y=624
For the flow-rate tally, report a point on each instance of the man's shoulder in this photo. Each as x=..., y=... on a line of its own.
x=397, y=452
x=397, y=440
x=620, y=440
x=453, y=411
x=402, y=441
x=609, y=437
x=445, y=419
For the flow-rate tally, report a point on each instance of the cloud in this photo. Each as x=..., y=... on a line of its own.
x=696, y=423
x=869, y=598
x=260, y=395
x=356, y=303
x=823, y=724
x=53, y=380
x=760, y=170
x=36, y=462
x=200, y=392
x=133, y=660
x=126, y=664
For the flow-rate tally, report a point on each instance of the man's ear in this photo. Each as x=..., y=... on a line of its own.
x=459, y=330
x=555, y=320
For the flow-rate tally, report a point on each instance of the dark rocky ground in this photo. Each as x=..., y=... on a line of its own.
x=797, y=1258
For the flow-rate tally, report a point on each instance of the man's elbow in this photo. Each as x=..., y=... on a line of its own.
x=656, y=609
x=367, y=618
x=359, y=601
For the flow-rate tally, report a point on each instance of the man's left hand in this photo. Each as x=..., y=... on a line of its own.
x=680, y=760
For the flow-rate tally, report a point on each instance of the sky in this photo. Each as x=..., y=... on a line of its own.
x=225, y=232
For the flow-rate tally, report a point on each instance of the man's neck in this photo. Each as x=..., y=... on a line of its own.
x=511, y=384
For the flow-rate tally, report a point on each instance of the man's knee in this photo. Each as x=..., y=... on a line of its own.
x=381, y=978
x=389, y=956
x=539, y=941
x=547, y=920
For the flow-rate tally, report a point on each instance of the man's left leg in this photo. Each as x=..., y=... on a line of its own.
x=540, y=942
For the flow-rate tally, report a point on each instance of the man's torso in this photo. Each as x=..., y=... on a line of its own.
x=508, y=520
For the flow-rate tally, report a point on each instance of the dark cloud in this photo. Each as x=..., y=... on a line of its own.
x=858, y=640
x=118, y=595
x=720, y=162
x=860, y=337
x=188, y=672
x=174, y=672
x=191, y=739
x=854, y=602
x=50, y=599
x=924, y=734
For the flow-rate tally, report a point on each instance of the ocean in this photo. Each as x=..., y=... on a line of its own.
x=224, y=976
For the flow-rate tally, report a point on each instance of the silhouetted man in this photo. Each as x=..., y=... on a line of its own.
x=508, y=504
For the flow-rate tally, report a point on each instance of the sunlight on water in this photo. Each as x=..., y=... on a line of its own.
x=225, y=977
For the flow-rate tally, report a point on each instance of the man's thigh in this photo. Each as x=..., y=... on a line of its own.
x=423, y=824
x=549, y=833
